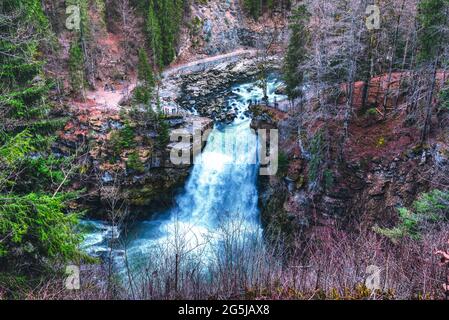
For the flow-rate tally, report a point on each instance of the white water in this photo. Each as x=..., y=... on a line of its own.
x=219, y=199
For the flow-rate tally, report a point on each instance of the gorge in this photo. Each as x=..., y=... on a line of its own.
x=135, y=135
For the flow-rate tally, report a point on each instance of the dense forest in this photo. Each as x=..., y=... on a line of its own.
x=91, y=92
x=36, y=228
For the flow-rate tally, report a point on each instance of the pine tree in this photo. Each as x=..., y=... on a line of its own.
x=433, y=35
x=167, y=30
x=163, y=21
x=36, y=229
x=153, y=31
x=253, y=7
x=85, y=41
x=296, y=53
x=76, y=69
x=144, y=71
x=144, y=90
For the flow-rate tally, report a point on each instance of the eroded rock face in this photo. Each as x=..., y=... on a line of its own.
x=217, y=27
x=161, y=179
x=108, y=178
x=367, y=189
x=371, y=195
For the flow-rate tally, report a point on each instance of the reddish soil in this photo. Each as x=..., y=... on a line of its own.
x=373, y=136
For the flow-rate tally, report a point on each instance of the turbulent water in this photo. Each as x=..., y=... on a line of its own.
x=217, y=206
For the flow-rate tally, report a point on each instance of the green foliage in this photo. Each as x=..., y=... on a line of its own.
x=76, y=69
x=100, y=7
x=122, y=139
x=144, y=71
x=84, y=34
x=371, y=112
x=163, y=131
x=82, y=47
x=144, y=91
x=283, y=163
x=142, y=95
x=163, y=23
x=381, y=142
x=12, y=153
x=316, y=156
x=433, y=205
x=328, y=179
x=427, y=210
x=195, y=25
x=45, y=171
x=444, y=98
x=127, y=136
x=152, y=120
x=256, y=7
x=296, y=52
x=134, y=163
x=34, y=229
x=433, y=35
x=14, y=149
x=153, y=31
x=20, y=96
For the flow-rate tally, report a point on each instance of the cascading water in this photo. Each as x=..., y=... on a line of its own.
x=219, y=199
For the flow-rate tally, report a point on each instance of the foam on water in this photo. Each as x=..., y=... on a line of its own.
x=220, y=195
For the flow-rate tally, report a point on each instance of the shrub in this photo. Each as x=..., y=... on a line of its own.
x=316, y=156
x=429, y=208
x=122, y=139
x=134, y=163
x=444, y=98
x=371, y=112
x=283, y=163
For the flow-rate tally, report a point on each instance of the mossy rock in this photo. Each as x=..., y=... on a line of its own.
x=142, y=196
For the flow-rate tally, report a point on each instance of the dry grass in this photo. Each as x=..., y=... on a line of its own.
x=330, y=266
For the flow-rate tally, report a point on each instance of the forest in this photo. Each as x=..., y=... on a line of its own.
x=98, y=96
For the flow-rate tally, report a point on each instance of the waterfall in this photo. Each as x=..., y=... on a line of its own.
x=219, y=197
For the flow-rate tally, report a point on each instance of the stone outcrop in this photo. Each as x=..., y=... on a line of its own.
x=161, y=179
x=108, y=178
x=217, y=27
x=207, y=92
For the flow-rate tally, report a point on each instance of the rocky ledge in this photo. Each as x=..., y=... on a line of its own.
x=139, y=175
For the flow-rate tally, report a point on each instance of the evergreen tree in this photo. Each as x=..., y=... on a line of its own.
x=163, y=21
x=84, y=39
x=144, y=71
x=153, y=31
x=296, y=53
x=168, y=25
x=76, y=69
x=253, y=7
x=36, y=230
x=433, y=35
x=144, y=90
